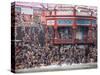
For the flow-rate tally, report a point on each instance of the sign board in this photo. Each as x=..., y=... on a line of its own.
x=50, y=22
x=64, y=22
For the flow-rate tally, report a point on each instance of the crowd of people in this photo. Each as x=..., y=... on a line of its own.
x=31, y=50
x=28, y=56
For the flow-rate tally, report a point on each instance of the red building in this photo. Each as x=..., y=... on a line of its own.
x=71, y=24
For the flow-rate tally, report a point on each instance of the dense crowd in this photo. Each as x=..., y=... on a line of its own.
x=28, y=56
x=32, y=52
